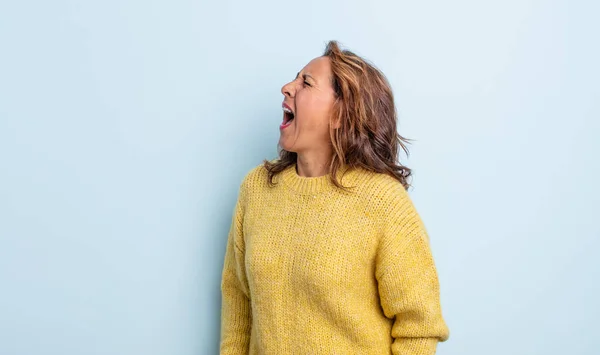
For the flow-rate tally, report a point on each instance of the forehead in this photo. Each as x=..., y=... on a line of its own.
x=320, y=68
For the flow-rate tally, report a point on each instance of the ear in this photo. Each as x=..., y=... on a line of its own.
x=335, y=123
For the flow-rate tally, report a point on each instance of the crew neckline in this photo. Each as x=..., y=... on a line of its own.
x=306, y=185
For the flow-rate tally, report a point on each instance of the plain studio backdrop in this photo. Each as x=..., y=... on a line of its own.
x=127, y=126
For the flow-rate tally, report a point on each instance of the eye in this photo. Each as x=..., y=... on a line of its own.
x=306, y=83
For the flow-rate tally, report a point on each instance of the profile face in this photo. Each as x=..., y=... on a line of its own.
x=307, y=108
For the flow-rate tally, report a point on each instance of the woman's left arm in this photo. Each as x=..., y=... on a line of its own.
x=408, y=281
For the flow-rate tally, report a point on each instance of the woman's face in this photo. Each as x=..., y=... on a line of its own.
x=307, y=108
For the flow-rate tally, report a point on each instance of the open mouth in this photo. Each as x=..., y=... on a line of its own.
x=288, y=115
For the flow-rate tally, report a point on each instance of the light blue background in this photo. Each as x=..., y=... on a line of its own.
x=127, y=126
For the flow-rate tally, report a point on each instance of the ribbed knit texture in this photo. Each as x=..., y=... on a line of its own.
x=311, y=269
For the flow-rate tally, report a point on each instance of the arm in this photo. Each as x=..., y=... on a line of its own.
x=235, y=306
x=408, y=282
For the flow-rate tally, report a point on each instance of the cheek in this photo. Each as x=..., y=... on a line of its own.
x=315, y=110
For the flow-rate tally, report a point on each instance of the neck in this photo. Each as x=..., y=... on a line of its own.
x=313, y=164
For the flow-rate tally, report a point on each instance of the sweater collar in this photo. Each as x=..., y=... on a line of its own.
x=309, y=185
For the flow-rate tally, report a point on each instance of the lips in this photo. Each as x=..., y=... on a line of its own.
x=288, y=116
x=288, y=113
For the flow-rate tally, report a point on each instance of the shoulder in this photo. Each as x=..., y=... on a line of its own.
x=255, y=178
x=386, y=199
x=380, y=188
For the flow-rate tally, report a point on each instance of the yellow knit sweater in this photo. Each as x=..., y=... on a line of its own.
x=312, y=269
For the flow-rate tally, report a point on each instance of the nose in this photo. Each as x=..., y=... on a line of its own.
x=288, y=90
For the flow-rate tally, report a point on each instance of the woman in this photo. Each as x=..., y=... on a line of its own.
x=326, y=253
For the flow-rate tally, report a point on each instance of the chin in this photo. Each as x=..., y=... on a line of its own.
x=286, y=147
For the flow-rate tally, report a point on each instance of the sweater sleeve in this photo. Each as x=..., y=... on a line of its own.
x=235, y=302
x=407, y=280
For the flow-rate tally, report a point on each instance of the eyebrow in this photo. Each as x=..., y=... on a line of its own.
x=304, y=76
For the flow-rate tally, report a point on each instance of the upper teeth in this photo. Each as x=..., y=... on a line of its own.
x=287, y=110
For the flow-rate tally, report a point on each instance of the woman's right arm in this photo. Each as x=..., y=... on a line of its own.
x=235, y=307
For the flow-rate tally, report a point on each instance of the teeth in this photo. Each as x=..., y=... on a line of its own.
x=287, y=110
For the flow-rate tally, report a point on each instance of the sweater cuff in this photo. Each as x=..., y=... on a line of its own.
x=414, y=346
